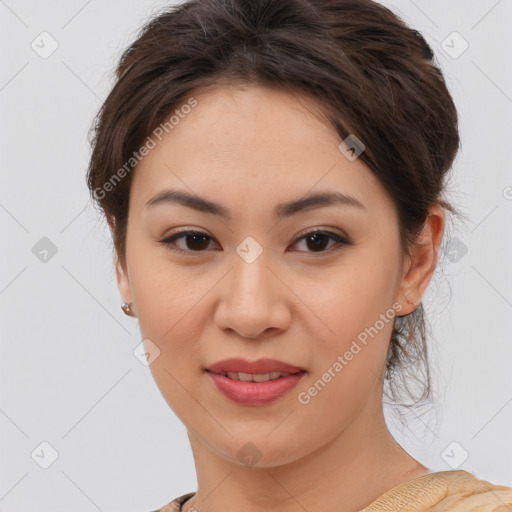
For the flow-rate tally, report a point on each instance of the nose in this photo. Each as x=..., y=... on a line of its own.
x=254, y=301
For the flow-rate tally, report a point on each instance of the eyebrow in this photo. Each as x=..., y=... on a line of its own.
x=282, y=210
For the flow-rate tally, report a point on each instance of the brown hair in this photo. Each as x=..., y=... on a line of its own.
x=373, y=76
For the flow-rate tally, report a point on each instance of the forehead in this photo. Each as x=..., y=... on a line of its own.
x=248, y=146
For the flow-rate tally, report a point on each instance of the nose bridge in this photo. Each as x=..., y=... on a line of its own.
x=251, y=279
x=251, y=302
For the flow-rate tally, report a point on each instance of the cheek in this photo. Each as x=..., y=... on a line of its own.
x=354, y=294
x=165, y=292
x=169, y=313
x=168, y=304
x=348, y=364
x=355, y=304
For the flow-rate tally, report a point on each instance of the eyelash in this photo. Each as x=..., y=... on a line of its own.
x=168, y=242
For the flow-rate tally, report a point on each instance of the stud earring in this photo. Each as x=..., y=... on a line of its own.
x=127, y=308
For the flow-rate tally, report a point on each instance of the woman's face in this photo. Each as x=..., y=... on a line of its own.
x=254, y=287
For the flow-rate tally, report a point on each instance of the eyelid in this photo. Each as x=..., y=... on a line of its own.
x=326, y=229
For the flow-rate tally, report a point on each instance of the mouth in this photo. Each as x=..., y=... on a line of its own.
x=254, y=383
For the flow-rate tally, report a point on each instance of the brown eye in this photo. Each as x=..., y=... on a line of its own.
x=317, y=240
x=194, y=241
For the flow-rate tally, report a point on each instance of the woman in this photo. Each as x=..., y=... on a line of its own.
x=238, y=136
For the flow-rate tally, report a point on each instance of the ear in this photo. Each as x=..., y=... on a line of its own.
x=420, y=265
x=123, y=282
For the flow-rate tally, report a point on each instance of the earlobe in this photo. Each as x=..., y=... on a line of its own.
x=422, y=261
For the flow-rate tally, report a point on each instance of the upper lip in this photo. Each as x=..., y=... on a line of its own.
x=254, y=367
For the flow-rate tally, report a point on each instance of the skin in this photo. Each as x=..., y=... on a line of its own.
x=250, y=149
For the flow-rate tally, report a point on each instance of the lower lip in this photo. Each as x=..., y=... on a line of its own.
x=255, y=393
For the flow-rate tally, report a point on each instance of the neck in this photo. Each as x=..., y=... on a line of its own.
x=347, y=473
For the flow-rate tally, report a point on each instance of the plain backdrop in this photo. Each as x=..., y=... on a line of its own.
x=74, y=397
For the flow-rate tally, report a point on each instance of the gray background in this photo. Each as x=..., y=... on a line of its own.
x=68, y=373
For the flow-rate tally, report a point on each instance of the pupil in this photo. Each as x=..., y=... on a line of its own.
x=316, y=243
x=195, y=238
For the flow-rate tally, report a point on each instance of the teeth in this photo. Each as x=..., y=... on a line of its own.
x=255, y=377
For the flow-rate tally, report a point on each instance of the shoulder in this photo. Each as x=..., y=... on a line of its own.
x=445, y=491
x=175, y=504
x=465, y=493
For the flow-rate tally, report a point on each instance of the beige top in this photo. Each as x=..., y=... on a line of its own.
x=443, y=491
